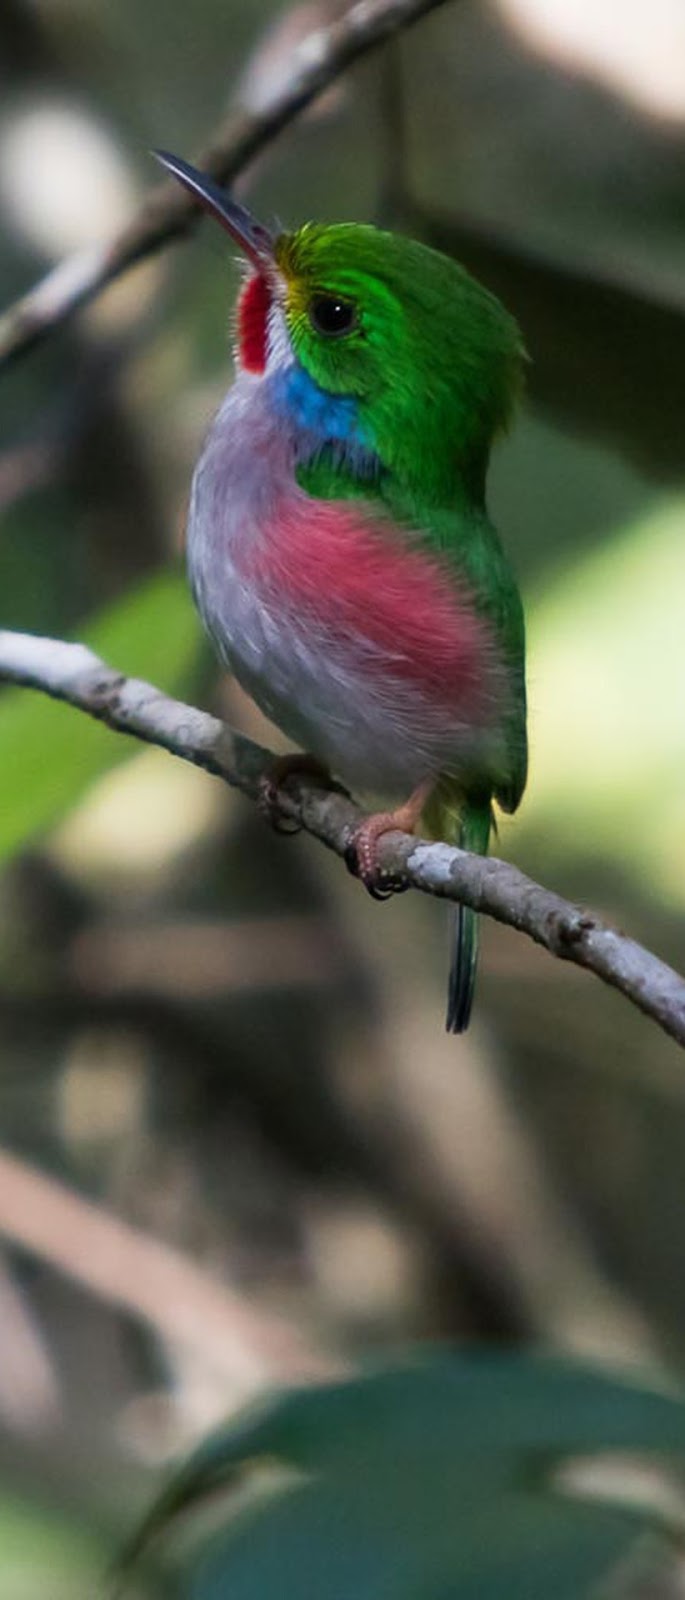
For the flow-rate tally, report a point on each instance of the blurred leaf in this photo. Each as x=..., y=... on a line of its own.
x=50, y=752
x=422, y=1483
x=43, y=1553
x=607, y=684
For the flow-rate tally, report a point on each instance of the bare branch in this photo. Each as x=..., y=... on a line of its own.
x=151, y=1280
x=72, y=673
x=169, y=212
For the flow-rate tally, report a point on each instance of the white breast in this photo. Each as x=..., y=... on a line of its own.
x=245, y=471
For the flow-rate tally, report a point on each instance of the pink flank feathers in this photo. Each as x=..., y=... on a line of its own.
x=355, y=579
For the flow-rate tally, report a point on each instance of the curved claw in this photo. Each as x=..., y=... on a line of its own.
x=269, y=807
x=282, y=769
x=396, y=886
x=381, y=885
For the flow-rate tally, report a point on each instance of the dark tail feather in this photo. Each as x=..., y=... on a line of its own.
x=474, y=835
x=463, y=967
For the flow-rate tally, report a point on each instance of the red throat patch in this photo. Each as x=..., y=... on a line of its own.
x=253, y=310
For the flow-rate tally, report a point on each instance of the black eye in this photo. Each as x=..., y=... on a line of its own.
x=332, y=316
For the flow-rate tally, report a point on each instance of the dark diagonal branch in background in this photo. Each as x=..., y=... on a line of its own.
x=72, y=673
x=169, y=212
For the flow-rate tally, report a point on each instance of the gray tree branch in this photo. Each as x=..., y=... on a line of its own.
x=72, y=673
x=169, y=212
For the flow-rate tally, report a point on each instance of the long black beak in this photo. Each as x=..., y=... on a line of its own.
x=256, y=240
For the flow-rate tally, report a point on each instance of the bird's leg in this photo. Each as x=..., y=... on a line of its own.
x=281, y=769
x=362, y=852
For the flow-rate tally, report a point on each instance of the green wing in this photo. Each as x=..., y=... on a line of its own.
x=470, y=543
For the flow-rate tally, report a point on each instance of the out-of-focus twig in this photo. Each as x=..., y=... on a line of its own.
x=72, y=673
x=30, y=1398
x=150, y=1280
x=198, y=959
x=169, y=212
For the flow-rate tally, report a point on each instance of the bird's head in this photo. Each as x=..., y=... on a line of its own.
x=418, y=360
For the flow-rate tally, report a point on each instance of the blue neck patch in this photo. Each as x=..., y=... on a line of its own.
x=322, y=421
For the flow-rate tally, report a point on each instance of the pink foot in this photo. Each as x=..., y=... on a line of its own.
x=362, y=852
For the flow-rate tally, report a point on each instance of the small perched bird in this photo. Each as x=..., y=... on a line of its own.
x=339, y=547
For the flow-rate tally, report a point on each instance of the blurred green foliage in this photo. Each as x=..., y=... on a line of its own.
x=433, y=1480
x=608, y=743
x=44, y=1552
x=52, y=753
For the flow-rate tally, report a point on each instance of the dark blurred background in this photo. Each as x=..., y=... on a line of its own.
x=238, y=1147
